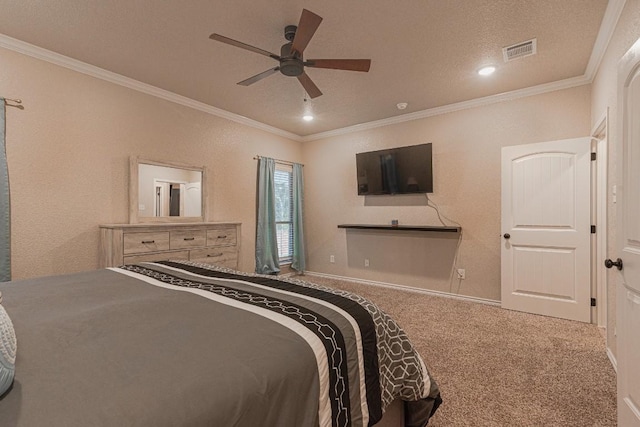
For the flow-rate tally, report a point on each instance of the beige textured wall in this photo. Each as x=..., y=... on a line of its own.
x=467, y=149
x=604, y=95
x=68, y=154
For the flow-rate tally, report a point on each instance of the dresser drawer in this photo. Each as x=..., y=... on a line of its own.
x=186, y=239
x=162, y=256
x=136, y=243
x=231, y=263
x=226, y=256
x=222, y=237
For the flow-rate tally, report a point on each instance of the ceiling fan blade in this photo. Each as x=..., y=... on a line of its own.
x=340, y=64
x=309, y=23
x=309, y=86
x=257, y=77
x=232, y=42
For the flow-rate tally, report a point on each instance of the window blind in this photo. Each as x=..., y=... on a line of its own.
x=283, y=180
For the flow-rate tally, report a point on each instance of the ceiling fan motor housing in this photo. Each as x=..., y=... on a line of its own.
x=290, y=64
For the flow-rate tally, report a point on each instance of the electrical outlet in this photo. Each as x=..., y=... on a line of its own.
x=461, y=273
x=366, y=262
x=332, y=259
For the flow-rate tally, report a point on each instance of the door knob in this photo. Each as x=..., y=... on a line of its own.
x=618, y=263
x=507, y=236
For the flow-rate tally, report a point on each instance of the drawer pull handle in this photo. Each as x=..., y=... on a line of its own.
x=148, y=242
x=222, y=237
x=214, y=255
x=189, y=238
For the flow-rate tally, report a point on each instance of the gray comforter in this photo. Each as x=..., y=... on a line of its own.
x=184, y=344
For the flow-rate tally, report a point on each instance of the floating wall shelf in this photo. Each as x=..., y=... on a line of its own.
x=437, y=228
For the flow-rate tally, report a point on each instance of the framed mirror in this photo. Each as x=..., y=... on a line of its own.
x=166, y=192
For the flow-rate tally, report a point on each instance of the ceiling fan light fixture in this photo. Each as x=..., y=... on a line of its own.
x=291, y=67
x=487, y=71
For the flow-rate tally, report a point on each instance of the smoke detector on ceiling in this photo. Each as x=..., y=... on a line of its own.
x=520, y=50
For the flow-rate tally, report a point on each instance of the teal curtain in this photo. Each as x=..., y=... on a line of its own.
x=5, y=207
x=298, y=262
x=266, y=242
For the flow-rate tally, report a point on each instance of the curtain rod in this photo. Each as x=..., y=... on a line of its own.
x=286, y=162
x=16, y=101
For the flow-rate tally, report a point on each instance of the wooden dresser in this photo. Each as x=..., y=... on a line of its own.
x=209, y=242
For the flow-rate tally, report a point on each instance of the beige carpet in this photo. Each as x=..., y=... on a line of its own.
x=502, y=368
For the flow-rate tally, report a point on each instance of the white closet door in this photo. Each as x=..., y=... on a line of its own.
x=546, y=228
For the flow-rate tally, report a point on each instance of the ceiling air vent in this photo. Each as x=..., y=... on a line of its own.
x=519, y=50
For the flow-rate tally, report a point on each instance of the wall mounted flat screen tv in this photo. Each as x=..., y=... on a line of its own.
x=402, y=170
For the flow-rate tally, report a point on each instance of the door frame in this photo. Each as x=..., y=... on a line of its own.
x=599, y=218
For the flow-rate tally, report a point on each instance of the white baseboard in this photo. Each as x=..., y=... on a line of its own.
x=407, y=288
x=612, y=359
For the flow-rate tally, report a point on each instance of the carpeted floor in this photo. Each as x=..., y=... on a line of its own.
x=502, y=368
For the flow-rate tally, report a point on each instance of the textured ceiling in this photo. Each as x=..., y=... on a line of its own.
x=423, y=52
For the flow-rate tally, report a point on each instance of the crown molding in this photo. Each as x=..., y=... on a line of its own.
x=100, y=73
x=607, y=27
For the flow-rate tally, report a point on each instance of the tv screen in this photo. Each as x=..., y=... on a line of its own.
x=401, y=170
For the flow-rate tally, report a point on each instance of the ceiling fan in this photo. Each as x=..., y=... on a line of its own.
x=291, y=61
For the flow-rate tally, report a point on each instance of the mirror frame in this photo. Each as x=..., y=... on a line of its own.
x=134, y=218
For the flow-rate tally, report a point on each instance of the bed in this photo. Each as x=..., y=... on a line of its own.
x=187, y=344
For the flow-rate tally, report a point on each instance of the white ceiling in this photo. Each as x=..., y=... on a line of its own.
x=423, y=52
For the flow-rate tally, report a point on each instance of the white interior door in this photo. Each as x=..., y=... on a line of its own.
x=546, y=212
x=628, y=241
x=193, y=199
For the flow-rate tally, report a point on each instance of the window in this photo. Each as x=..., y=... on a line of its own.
x=284, y=211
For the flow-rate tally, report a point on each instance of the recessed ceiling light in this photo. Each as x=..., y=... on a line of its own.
x=307, y=117
x=486, y=71
x=401, y=105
